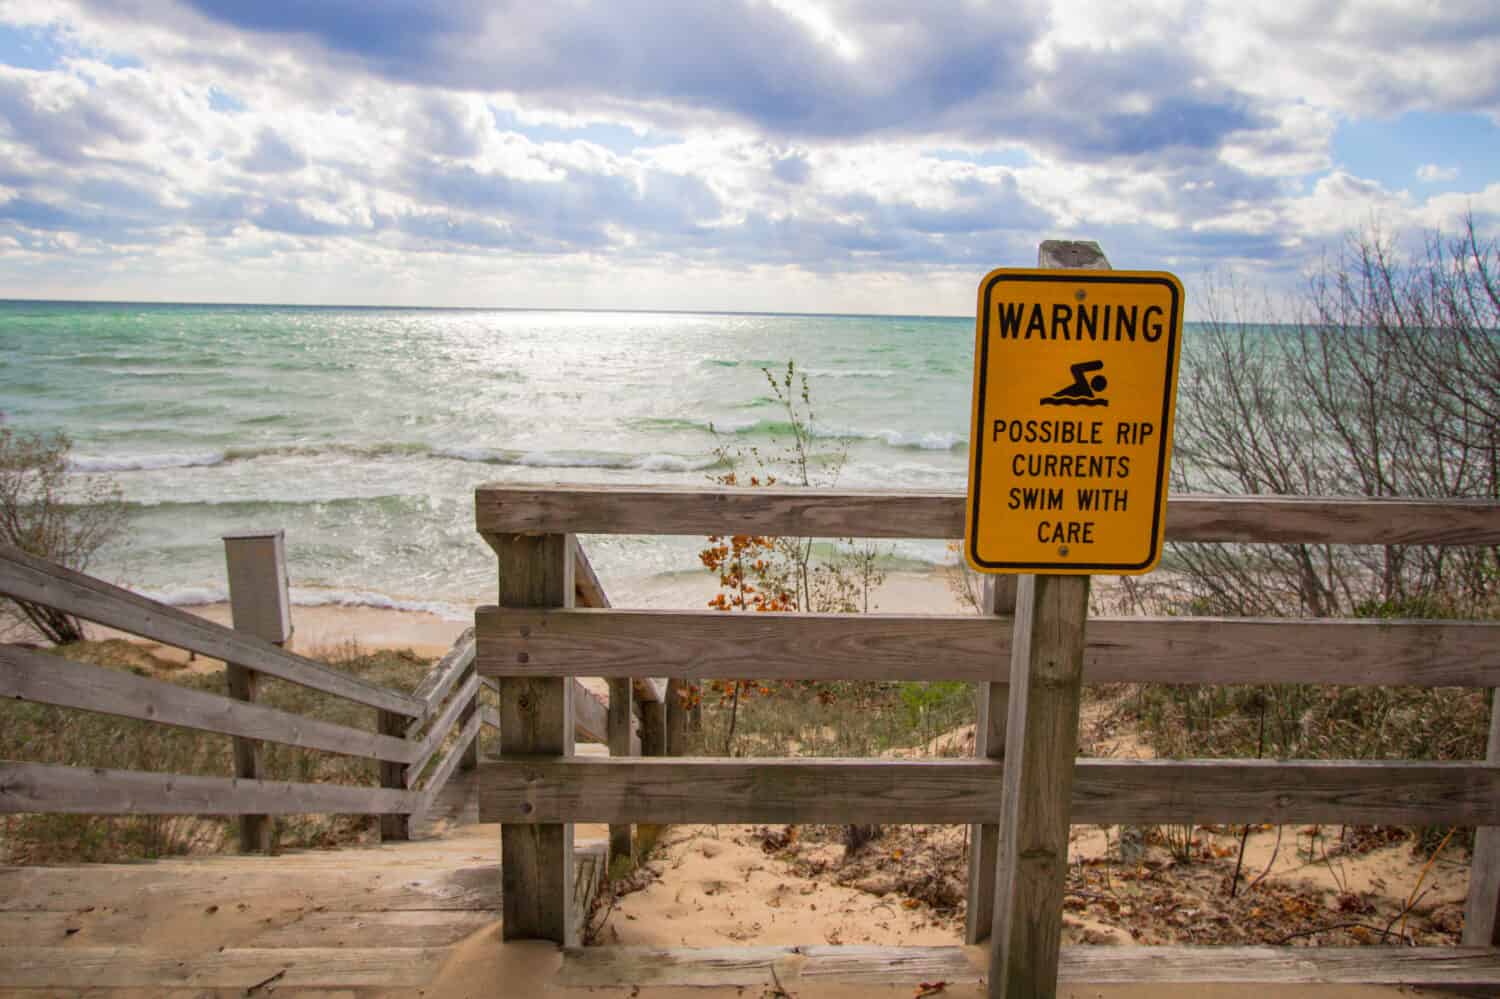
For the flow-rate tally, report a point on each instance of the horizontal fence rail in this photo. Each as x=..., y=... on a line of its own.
x=26, y=577
x=558, y=509
x=1105, y=792
x=40, y=787
x=614, y=643
x=41, y=678
x=414, y=729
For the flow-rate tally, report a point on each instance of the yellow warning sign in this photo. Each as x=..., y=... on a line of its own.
x=1075, y=380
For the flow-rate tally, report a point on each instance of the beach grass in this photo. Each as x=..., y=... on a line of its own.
x=45, y=734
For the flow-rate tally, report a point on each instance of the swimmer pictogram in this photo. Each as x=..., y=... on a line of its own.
x=1082, y=391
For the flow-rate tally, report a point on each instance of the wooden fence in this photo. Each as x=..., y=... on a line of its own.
x=536, y=638
x=421, y=739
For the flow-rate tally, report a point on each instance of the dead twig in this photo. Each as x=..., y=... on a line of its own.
x=1335, y=926
x=1269, y=864
x=1411, y=899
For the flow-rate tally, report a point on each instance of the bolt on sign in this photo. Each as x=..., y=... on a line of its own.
x=1075, y=381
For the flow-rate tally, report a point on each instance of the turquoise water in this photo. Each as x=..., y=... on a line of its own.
x=363, y=432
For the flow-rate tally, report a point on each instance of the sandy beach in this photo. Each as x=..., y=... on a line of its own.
x=327, y=627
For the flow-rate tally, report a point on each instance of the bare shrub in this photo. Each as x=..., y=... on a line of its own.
x=47, y=512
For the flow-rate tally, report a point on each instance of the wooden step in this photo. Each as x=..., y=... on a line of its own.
x=753, y=967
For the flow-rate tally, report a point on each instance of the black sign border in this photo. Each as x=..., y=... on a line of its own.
x=1160, y=505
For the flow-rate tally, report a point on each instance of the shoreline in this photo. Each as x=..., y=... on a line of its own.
x=323, y=628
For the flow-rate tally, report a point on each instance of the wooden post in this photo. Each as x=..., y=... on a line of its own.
x=653, y=728
x=621, y=721
x=259, y=605
x=1041, y=745
x=396, y=826
x=654, y=736
x=677, y=718
x=536, y=718
x=470, y=758
x=1482, y=914
x=998, y=599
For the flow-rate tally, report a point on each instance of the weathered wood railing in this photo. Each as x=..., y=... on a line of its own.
x=410, y=746
x=534, y=638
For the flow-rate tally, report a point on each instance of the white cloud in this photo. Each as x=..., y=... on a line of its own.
x=681, y=145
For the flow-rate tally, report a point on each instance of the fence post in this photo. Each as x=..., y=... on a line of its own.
x=470, y=758
x=677, y=717
x=1041, y=747
x=620, y=722
x=397, y=826
x=1041, y=744
x=536, y=718
x=998, y=599
x=258, y=605
x=1482, y=914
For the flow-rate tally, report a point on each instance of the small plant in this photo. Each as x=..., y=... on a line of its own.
x=47, y=512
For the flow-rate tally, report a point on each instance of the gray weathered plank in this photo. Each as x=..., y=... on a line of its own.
x=444, y=772
x=1435, y=967
x=998, y=599
x=621, y=729
x=590, y=716
x=1041, y=739
x=401, y=930
x=26, y=577
x=231, y=968
x=1138, y=792
x=394, y=826
x=257, y=833
x=750, y=967
x=537, y=716
x=41, y=787
x=588, y=591
x=48, y=679
x=444, y=675
x=672, y=967
x=403, y=884
x=502, y=508
x=615, y=643
x=1482, y=912
x=439, y=729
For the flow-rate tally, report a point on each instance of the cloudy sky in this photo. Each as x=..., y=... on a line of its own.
x=777, y=155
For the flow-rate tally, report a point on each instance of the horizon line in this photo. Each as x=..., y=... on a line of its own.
x=483, y=308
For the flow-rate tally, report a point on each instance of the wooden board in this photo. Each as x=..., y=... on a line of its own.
x=537, y=716
x=976, y=649
x=444, y=675
x=998, y=599
x=714, y=790
x=26, y=577
x=441, y=728
x=346, y=887
x=1041, y=740
x=1482, y=908
x=1436, y=967
x=590, y=715
x=750, y=967
x=604, y=967
x=502, y=508
x=28, y=675
x=232, y=968
x=40, y=787
x=621, y=731
x=402, y=930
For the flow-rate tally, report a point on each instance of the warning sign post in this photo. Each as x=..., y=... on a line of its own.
x=1075, y=377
